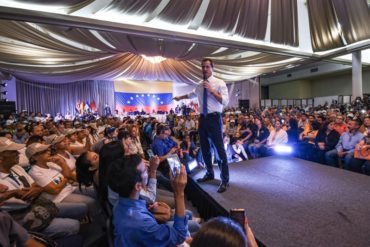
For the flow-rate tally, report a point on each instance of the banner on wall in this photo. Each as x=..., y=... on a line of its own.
x=148, y=96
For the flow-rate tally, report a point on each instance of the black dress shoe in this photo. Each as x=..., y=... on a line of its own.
x=206, y=177
x=222, y=188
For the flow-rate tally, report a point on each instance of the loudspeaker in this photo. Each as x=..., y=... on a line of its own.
x=244, y=103
x=7, y=108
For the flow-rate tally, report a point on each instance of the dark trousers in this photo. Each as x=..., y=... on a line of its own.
x=210, y=130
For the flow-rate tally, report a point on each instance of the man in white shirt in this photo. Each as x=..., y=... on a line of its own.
x=212, y=96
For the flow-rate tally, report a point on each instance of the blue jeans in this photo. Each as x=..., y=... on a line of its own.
x=331, y=158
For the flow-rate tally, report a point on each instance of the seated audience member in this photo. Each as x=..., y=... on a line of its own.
x=346, y=146
x=125, y=138
x=293, y=131
x=163, y=146
x=307, y=141
x=239, y=151
x=59, y=149
x=21, y=134
x=365, y=126
x=79, y=142
x=110, y=134
x=363, y=148
x=133, y=224
x=13, y=234
x=326, y=139
x=261, y=137
x=37, y=130
x=22, y=190
x=92, y=129
x=187, y=152
x=109, y=152
x=52, y=178
x=339, y=125
x=87, y=169
x=135, y=146
x=277, y=137
x=221, y=231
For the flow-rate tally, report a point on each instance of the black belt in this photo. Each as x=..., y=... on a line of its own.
x=211, y=114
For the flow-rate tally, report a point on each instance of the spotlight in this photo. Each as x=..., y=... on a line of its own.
x=3, y=84
x=363, y=111
x=283, y=149
x=5, y=92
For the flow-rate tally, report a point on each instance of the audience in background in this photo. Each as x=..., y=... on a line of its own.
x=60, y=152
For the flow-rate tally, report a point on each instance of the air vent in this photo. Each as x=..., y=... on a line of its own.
x=314, y=70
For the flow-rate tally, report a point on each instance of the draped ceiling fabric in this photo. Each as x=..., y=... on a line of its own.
x=284, y=22
x=56, y=54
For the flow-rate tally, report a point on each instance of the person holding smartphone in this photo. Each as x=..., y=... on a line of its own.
x=222, y=231
x=213, y=96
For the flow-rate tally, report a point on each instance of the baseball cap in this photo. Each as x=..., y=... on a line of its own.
x=68, y=132
x=53, y=139
x=8, y=145
x=35, y=148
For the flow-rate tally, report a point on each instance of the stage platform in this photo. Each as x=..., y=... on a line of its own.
x=292, y=202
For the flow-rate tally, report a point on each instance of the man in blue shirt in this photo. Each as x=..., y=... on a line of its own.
x=346, y=146
x=163, y=145
x=133, y=224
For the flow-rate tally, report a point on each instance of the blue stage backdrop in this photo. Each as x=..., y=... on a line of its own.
x=143, y=95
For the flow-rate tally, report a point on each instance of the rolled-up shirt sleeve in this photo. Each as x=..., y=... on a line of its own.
x=224, y=94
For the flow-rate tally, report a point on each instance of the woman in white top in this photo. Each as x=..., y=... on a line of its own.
x=78, y=141
x=59, y=150
x=55, y=184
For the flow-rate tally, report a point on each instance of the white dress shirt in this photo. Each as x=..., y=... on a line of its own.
x=213, y=105
x=277, y=138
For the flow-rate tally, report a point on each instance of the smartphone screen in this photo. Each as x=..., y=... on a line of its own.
x=174, y=163
x=238, y=215
x=150, y=153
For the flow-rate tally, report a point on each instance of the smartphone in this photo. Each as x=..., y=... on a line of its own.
x=150, y=153
x=174, y=163
x=238, y=215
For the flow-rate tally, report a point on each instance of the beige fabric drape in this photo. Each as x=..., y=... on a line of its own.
x=354, y=17
x=45, y=53
x=323, y=25
x=284, y=22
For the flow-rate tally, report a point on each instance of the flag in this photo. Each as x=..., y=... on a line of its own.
x=143, y=95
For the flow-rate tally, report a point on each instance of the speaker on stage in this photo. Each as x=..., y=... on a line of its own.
x=244, y=103
x=7, y=108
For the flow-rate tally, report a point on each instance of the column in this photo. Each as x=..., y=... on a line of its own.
x=356, y=75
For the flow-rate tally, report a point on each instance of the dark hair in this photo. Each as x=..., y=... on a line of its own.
x=315, y=125
x=34, y=139
x=162, y=128
x=358, y=121
x=4, y=133
x=123, y=134
x=293, y=123
x=123, y=174
x=109, y=153
x=220, y=232
x=209, y=60
x=84, y=175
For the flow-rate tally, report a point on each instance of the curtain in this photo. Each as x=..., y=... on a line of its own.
x=325, y=34
x=354, y=17
x=53, y=98
x=284, y=22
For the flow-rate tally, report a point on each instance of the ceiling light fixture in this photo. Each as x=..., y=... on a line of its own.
x=154, y=60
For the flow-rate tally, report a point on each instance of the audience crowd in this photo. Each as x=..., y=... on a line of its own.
x=59, y=174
